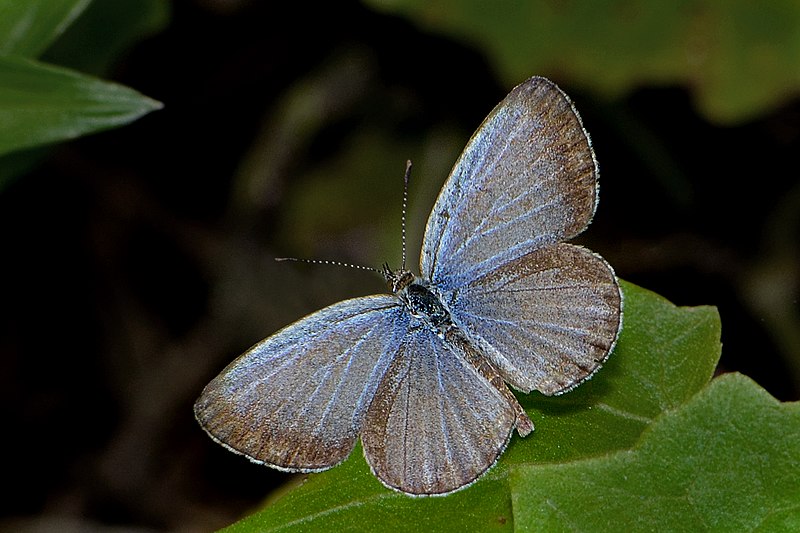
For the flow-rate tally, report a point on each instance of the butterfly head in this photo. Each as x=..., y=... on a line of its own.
x=397, y=280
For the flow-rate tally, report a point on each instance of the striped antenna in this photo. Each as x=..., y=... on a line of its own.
x=406, y=177
x=326, y=262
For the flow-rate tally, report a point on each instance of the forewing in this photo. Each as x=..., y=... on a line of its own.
x=436, y=424
x=547, y=320
x=296, y=400
x=527, y=178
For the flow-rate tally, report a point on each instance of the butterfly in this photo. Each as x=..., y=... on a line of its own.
x=422, y=374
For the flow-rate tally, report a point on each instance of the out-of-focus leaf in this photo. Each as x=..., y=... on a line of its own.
x=725, y=461
x=28, y=27
x=19, y=163
x=105, y=30
x=664, y=355
x=41, y=104
x=740, y=57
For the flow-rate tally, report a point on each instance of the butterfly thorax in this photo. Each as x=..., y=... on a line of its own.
x=422, y=302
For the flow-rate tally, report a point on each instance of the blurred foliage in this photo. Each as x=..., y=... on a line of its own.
x=105, y=30
x=40, y=103
x=27, y=28
x=740, y=57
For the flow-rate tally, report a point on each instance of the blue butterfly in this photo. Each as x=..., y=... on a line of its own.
x=422, y=374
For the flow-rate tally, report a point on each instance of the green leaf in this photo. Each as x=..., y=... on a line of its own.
x=28, y=27
x=18, y=163
x=739, y=56
x=104, y=31
x=664, y=355
x=725, y=461
x=42, y=104
x=350, y=498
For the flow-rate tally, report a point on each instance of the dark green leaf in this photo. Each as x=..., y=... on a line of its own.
x=27, y=27
x=725, y=461
x=104, y=31
x=18, y=163
x=42, y=104
x=350, y=498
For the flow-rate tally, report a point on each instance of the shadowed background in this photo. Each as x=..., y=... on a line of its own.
x=138, y=262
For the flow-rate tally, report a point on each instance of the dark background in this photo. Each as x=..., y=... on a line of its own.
x=138, y=262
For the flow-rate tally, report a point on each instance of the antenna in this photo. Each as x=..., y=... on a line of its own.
x=326, y=262
x=386, y=268
x=406, y=177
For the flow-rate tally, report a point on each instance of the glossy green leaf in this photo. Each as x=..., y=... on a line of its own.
x=740, y=57
x=42, y=104
x=27, y=27
x=664, y=355
x=725, y=461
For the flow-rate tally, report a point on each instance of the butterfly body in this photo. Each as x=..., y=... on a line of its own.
x=424, y=303
x=422, y=375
